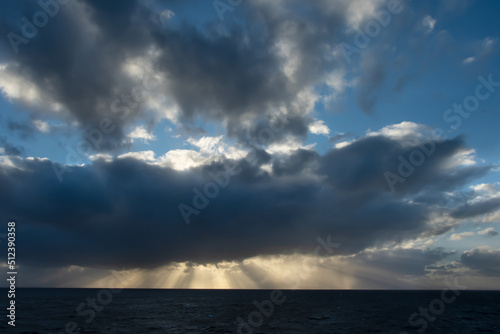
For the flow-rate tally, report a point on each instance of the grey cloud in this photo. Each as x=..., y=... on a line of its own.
x=339, y=137
x=476, y=209
x=444, y=269
x=9, y=148
x=295, y=163
x=125, y=214
x=403, y=261
x=21, y=129
x=266, y=131
x=485, y=262
x=366, y=160
x=258, y=156
x=371, y=81
x=230, y=77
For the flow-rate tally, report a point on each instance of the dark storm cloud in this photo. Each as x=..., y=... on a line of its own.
x=476, y=209
x=266, y=131
x=294, y=163
x=124, y=213
x=261, y=156
x=485, y=262
x=365, y=160
x=216, y=76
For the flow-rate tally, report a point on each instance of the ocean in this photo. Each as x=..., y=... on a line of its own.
x=251, y=311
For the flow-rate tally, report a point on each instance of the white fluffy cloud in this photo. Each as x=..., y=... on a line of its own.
x=140, y=132
x=461, y=236
x=147, y=156
x=407, y=133
x=318, y=127
x=468, y=60
x=16, y=88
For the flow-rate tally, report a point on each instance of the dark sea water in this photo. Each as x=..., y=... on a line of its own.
x=217, y=311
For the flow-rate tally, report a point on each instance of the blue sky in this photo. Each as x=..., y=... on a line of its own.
x=203, y=88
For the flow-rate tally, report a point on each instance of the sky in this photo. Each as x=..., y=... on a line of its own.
x=327, y=144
